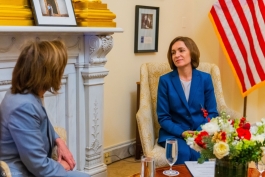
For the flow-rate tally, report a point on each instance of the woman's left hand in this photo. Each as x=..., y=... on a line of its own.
x=64, y=153
x=186, y=133
x=65, y=165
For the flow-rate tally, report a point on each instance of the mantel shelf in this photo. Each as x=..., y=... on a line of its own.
x=62, y=30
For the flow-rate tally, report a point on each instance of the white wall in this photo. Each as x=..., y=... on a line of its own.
x=177, y=17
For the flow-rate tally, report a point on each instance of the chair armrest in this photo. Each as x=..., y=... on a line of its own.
x=5, y=169
x=146, y=130
x=233, y=114
x=144, y=115
x=62, y=134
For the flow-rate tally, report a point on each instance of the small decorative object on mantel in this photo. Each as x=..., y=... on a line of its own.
x=93, y=13
x=53, y=12
x=15, y=13
x=233, y=143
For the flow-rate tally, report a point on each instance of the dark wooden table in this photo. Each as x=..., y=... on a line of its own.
x=184, y=172
x=182, y=169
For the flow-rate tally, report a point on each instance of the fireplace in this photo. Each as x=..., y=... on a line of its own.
x=79, y=106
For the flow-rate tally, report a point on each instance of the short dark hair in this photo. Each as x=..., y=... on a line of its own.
x=190, y=44
x=39, y=67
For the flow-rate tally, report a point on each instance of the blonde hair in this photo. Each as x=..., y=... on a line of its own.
x=39, y=67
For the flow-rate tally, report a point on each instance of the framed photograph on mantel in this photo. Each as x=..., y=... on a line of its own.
x=53, y=12
x=146, y=29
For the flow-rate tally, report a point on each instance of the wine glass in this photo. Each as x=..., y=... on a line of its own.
x=260, y=167
x=171, y=156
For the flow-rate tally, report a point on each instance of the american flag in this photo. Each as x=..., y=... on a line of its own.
x=240, y=27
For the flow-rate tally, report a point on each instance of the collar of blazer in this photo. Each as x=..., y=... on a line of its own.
x=196, y=80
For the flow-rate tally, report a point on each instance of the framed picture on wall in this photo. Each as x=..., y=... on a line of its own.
x=53, y=12
x=146, y=29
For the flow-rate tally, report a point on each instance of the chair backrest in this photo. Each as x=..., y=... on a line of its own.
x=149, y=77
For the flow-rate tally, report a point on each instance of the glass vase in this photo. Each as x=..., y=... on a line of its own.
x=225, y=168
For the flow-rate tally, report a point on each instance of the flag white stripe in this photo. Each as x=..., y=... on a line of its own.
x=262, y=29
x=233, y=43
x=244, y=38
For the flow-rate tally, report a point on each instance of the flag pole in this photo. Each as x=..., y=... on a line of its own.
x=245, y=107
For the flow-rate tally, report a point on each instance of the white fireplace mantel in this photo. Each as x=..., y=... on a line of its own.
x=62, y=30
x=79, y=105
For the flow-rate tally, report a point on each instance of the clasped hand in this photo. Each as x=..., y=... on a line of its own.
x=65, y=157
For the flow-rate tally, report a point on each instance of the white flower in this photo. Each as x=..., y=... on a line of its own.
x=258, y=124
x=253, y=130
x=211, y=127
x=220, y=149
x=259, y=138
x=235, y=142
x=227, y=127
x=263, y=120
x=190, y=141
x=192, y=144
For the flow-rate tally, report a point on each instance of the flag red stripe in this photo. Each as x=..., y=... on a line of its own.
x=262, y=9
x=228, y=48
x=256, y=27
x=246, y=27
x=238, y=39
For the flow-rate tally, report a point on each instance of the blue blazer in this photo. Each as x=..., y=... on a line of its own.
x=27, y=137
x=175, y=113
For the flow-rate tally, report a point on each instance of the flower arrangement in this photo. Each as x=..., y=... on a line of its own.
x=232, y=139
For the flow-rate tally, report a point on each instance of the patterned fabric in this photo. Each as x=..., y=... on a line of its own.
x=62, y=134
x=5, y=169
x=146, y=116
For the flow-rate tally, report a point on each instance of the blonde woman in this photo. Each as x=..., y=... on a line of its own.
x=27, y=136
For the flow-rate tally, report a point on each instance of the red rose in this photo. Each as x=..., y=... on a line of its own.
x=243, y=133
x=199, y=139
x=223, y=136
x=246, y=126
x=243, y=119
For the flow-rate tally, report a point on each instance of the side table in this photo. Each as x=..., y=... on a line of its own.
x=184, y=172
x=182, y=169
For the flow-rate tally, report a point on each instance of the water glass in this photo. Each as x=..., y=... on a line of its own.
x=147, y=167
x=260, y=167
x=171, y=156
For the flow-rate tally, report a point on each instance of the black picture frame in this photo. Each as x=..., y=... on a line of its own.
x=53, y=13
x=146, y=29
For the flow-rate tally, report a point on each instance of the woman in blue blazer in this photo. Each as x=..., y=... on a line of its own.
x=182, y=94
x=27, y=136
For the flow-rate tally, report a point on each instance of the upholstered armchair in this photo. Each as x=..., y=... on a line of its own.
x=146, y=116
x=62, y=134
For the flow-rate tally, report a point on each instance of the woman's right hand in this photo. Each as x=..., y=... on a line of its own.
x=65, y=165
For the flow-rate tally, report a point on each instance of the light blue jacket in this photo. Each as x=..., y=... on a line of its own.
x=27, y=137
x=175, y=113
